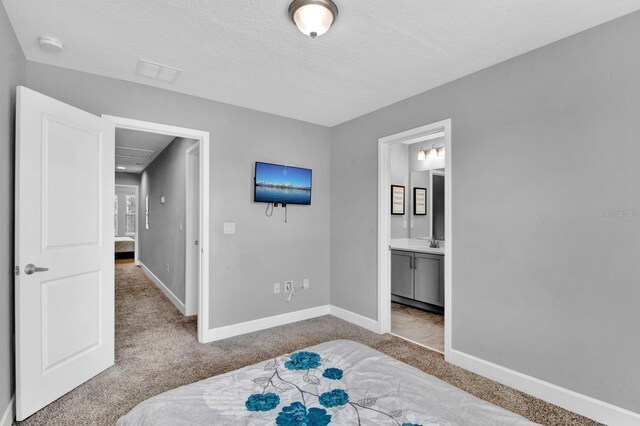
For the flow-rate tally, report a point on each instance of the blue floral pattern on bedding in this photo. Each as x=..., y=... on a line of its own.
x=334, y=398
x=297, y=414
x=303, y=361
x=332, y=373
x=262, y=402
x=300, y=413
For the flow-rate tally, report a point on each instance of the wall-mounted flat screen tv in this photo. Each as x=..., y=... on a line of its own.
x=275, y=183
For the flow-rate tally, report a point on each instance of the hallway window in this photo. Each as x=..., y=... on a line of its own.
x=130, y=214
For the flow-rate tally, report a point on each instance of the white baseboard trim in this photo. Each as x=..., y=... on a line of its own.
x=174, y=299
x=592, y=408
x=9, y=413
x=227, y=331
x=357, y=319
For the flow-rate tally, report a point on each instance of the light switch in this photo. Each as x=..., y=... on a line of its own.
x=161, y=200
x=229, y=228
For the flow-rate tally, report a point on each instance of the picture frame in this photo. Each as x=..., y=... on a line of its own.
x=397, y=200
x=419, y=201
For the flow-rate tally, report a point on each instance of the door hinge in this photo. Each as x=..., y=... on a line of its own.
x=17, y=270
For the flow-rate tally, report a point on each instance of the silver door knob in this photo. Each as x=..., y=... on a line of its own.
x=31, y=268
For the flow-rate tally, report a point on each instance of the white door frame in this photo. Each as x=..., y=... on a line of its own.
x=384, y=223
x=136, y=244
x=191, y=290
x=203, y=139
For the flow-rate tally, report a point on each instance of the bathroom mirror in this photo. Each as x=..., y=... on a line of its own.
x=437, y=205
x=431, y=224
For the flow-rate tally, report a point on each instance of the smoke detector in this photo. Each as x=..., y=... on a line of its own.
x=51, y=44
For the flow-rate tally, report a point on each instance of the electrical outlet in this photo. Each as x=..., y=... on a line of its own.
x=229, y=227
x=404, y=224
x=305, y=283
x=276, y=288
x=288, y=285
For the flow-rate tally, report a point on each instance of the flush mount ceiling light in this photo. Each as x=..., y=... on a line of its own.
x=313, y=17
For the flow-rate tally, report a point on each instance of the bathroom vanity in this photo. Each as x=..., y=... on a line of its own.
x=417, y=274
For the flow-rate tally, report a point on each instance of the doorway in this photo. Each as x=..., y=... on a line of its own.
x=196, y=221
x=424, y=259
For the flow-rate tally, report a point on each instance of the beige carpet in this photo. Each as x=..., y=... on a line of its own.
x=157, y=350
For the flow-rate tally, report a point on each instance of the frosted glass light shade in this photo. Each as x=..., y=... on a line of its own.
x=313, y=17
x=421, y=155
x=432, y=152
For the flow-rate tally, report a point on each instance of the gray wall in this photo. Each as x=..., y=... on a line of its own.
x=162, y=246
x=545, y=283
x=124, y=178
x=400, y=176
x=11, y=75
x=264, y=250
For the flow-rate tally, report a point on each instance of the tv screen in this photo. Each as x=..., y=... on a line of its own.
x=282, y=184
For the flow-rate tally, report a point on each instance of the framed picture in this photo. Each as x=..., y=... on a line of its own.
x=420, y=201
x=397, y=200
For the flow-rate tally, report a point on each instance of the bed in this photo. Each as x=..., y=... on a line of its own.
x=334, y=383
x=124, y=247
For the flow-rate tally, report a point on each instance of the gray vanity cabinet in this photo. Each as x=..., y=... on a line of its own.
x=402, y=274
x=429, y=278
x=417, y=279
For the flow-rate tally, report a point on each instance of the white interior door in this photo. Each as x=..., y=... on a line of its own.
x=64, y=223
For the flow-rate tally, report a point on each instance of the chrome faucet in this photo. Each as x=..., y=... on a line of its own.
x=434, y=244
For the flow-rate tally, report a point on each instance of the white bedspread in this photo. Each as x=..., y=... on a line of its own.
x=334, y=383
x=124, y=244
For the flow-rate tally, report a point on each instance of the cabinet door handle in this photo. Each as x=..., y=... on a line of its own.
x=411, y=263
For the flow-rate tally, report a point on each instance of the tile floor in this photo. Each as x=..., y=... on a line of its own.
x=426, y=328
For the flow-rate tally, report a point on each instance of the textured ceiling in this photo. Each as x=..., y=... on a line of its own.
x=248, y=53
x=136, y=150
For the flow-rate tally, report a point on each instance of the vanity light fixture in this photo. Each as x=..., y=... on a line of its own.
x=313, y=17
x=425, y=154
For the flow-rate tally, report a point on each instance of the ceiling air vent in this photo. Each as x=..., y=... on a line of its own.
x=157, y=71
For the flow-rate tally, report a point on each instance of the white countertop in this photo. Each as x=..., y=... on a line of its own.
x=413, y=244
